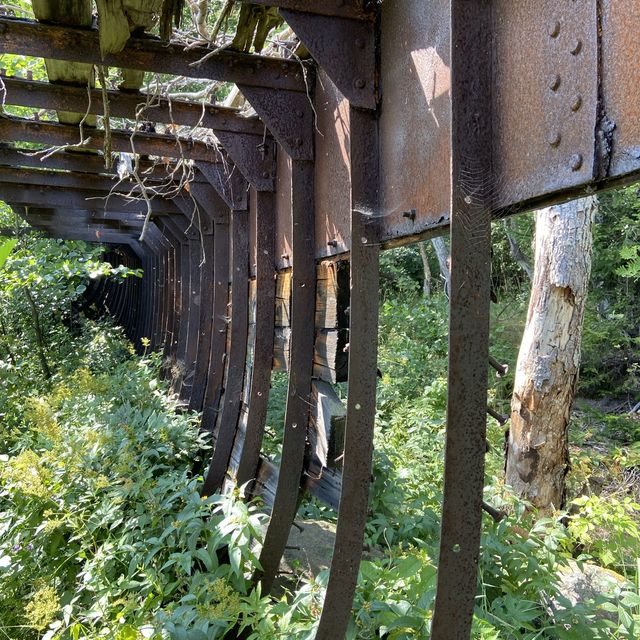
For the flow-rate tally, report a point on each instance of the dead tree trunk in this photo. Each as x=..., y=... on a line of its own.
x=442, y=252
x=549, y=359
x=426, y=283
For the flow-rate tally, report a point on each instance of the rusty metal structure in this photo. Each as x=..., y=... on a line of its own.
x=411, y=119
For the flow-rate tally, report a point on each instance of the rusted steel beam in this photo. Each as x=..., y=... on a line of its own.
x=134, y=106
x=204, y=337
x=361, y=398
x=471, y=82
x=235, y=365
x=87, y=163
x=260, y=381
x=174, y=300
x=51, y=133
x=80, y=199
x=217, y=348
x=355, y=9
x=84, y=181
x=24, y=37
x=344, y=48
x=300, y=369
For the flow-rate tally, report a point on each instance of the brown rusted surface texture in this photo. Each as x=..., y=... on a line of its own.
x=332, y=175
x=620, y=68
x=545, y=87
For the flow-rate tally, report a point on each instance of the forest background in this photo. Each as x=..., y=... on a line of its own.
x=103, y=532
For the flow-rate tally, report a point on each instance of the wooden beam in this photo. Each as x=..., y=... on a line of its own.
x=52, y=133
x=42, y=95
x=87, y=163
x=28, y=38
x=65, y=179
x=77, y=199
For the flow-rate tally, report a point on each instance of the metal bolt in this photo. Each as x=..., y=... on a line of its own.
x=299, y=113
x=554, y=82
x=554, y=29
x=577, y=102
x=298, y=142
x=284, y=66
x=575, y=162
x=409, y=214
x=359, y=83
x=333, y=243
x=265, y=174
x=360, y=43
x=285, y=256
x=212, y=111
x=554, y=138
x=577, y=47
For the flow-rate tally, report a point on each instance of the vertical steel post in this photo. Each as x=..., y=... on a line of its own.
x=303, y=286
x=471, y=157
x=361, y=397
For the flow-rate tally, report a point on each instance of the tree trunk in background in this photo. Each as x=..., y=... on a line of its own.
x=516, y=251
x=426, y=283
x=549, y=359
x=442, y=251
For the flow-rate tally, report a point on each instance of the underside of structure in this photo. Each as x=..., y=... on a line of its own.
x=260, y=241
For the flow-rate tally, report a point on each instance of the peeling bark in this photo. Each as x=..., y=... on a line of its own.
x=426, y=283
x=549, y=359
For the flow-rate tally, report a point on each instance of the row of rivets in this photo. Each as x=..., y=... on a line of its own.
x=554, y=82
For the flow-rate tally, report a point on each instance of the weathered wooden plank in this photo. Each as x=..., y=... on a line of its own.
x=134, y=106
x=156, y=144
x=28, y=38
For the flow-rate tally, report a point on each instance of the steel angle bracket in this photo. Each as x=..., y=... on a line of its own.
x=361, y=396
x=235, y=366
x=465, y=444
x=303, y=286
x=345, y=48
x=254, y=155
x=228, y=182
x=288, y=115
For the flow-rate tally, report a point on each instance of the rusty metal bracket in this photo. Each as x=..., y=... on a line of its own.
x=345, y=48
x=288, y=115
x=255, y=157
x=230, y=185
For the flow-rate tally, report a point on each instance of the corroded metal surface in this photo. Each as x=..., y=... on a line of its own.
x=361, y=405
x=300, y=366
x=231, y=402
x=618, y=120
x=465, y=442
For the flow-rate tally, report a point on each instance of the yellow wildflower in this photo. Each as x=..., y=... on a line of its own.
x=43, y=608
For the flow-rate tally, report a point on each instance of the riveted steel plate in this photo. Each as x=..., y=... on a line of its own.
x=545, y=92
x=621, y=81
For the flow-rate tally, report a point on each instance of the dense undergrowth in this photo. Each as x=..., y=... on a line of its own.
x=103, y=533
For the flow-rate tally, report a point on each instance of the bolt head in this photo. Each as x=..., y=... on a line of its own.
x=265, y=174
x=576, y=103
x=299, y=113
x=576, y=48
x=298, y=142
x=575, y=162
x=359, y=83
x=554, y=82
x=554, y=29
x=554, y=138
